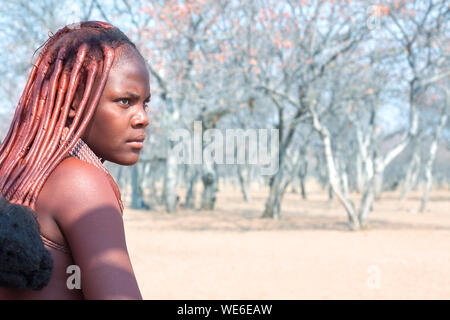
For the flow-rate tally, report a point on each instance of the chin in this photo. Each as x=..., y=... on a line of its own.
x=127, y=161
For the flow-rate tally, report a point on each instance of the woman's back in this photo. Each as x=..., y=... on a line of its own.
x=54, y=241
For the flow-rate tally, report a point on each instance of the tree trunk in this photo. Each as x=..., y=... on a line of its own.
x=366, y=204
x=333, y=174
x=432, y=156
x=359, y=173
x=303, y=187
x=210, y=187
x=170, y=181
x=137, y=201
x=302, y=177
x=191, y=193
x=294, y=185
x=154, y=199
x=344, y=178
x=242, y=183
x=250, y=177
x=382, y=162
x=412, y=170
x=272, y=208
x=378, y=177
x=119, y=177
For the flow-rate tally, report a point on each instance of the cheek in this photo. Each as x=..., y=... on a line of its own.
x=110, y=124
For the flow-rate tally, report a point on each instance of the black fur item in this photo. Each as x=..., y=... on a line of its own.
x=24, y=261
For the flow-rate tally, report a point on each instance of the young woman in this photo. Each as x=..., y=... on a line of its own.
x=84, y=103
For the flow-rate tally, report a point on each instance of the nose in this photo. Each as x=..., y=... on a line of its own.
x=140, y=119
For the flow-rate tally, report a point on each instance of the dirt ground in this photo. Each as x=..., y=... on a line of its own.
x=231, y=253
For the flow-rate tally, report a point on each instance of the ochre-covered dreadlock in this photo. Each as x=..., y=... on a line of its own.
x=74, y=62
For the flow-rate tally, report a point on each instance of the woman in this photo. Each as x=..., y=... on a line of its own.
x=84, y=103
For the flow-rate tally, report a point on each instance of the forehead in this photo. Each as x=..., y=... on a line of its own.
x=128, y=72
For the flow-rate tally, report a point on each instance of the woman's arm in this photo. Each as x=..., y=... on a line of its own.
x=89, y=216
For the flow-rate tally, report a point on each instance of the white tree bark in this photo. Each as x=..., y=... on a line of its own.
x=433, y=148
x=332, y=172
x=243, y=183
x=137, y=200
x=191, y=192
x=359, y=173
x=412, y=170
x=210, y=187
x=302, y=177
x=273, y=203
x=170, y=180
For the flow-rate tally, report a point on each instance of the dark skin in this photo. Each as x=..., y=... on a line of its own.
x=121, y=114
x=77, y=206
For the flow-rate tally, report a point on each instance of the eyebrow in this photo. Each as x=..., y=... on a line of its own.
x=136, y=96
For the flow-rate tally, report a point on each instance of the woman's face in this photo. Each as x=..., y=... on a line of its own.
x=117, y=130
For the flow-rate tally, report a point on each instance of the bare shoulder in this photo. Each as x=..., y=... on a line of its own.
x=75, y=170
x=77, y=186
x=88, y=215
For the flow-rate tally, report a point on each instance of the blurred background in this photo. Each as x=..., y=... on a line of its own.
x=359, y=94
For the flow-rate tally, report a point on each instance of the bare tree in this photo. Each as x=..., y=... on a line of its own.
x=433, y=148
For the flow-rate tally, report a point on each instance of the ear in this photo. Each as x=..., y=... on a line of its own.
x=75, y=103
x=72, y=112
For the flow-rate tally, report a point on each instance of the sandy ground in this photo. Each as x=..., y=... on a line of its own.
x=231, y=253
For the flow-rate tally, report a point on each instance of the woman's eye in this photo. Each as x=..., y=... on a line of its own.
x=123, y=101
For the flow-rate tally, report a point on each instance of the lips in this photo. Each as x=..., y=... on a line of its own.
x=137, y=142
x=139, y=138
